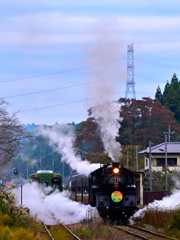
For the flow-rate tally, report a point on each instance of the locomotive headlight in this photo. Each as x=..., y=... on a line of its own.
x=115, y=170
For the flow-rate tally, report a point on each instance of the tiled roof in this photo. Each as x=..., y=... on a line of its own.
x=172, y=147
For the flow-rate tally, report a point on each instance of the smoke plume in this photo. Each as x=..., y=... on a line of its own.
x=61, y=138
x=106, y=73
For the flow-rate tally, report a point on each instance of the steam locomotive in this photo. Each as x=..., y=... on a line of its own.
x=112, y=192
x=111, y=189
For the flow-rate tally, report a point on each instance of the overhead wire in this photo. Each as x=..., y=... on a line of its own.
x=55, y=105
x=46, y=74
x=156, y=63
x=60, y=104
x=73, y=85
x=55, y=89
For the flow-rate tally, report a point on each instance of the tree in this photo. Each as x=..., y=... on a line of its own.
x=88, y=141
x=12, y=134
x=145, y=120
x=159, y=95
x=172, y=102
x=171, y=96
x=131, y=157
x=174, y=82
x=166, y=90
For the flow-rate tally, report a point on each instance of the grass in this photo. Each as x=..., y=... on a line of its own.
x=167, y=221
x=16, y=223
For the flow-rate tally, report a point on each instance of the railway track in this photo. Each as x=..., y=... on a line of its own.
x=59, y=232
x=141, y=233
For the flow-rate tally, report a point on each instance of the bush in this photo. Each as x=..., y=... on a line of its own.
x=7, y=220
x=176, y=221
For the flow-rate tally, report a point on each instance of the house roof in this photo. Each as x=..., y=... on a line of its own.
x=172, y=147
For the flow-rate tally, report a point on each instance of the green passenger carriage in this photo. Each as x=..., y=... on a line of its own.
x=47, y=179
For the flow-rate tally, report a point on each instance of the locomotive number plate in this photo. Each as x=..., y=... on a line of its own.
x=115, y=180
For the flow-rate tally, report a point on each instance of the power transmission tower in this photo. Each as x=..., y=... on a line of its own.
x=130, y=84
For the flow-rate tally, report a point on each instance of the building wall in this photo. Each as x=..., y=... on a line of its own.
x=159, y=168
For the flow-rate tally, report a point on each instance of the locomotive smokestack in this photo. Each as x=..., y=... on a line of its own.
x=115, y=164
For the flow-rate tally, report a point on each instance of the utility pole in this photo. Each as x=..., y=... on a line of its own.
x=150, y=166
x=127, y=160
x=169, y=133
x=166, y=160
x=136, y=158
x=53, y=163
x=130, y=84
x=40, y=159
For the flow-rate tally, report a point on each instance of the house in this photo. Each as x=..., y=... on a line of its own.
x=158, y=157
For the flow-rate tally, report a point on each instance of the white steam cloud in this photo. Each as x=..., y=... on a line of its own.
x=62, y=137
x=53, y=208
x=57, y=207
x=106, y=73
x=166, y=204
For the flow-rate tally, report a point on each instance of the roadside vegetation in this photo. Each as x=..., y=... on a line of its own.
x=15, y=222
x=165, y=222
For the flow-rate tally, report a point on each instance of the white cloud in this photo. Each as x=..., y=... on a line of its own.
x=149, y=23
x=45, y=28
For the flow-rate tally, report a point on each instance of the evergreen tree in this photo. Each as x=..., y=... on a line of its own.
x=171, y=100
x=171, y=96
x=166, y=90
x=174, y=82
x=159, y=95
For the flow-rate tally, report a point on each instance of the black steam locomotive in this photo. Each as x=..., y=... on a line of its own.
x=112, y=192
x=110, y=188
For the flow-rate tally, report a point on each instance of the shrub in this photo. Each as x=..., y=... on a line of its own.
x=7, y=220
x=176, y=221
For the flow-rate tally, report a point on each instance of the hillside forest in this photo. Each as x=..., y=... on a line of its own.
x=143, y=120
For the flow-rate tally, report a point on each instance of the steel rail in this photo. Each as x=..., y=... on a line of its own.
x=131, y=233
x=151, y=232
x=48, y=232
x=70, y=232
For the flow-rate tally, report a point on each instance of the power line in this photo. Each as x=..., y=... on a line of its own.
x=55, y=89
x=47, y=90
x=46, y=74
x=156, y=63
x=60, y=104
x=148, y=77
x=85, y=67
x=56, y=105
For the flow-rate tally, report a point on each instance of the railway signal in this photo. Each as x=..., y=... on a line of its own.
x=15, y=171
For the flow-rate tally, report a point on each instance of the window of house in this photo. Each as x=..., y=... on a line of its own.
x=172, y=162
x=146, y=162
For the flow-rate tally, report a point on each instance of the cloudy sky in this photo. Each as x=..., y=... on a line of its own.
x=44, y=48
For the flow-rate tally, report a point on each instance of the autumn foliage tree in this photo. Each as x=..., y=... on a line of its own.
x=145, y=120
x=88, y=141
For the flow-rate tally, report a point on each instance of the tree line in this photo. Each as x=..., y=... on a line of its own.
x=142, y=120
x=170, y=97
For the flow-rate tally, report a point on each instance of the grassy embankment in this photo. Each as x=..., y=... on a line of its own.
x=15, y=222
x=165, y=222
